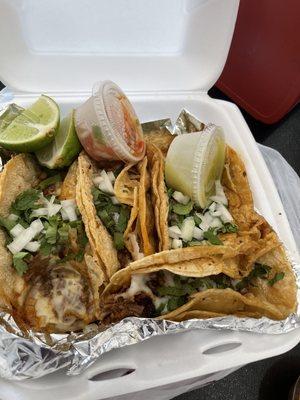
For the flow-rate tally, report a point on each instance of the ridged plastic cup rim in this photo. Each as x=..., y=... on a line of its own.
x=197, y=159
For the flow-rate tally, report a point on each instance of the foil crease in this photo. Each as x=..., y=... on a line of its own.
x=32, y=355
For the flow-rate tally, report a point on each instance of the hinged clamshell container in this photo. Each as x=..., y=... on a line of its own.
x=165, y=55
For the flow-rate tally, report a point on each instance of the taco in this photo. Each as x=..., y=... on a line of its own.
x=114, y=201
x=49, y=277
x=229, y=216
x=179, y=285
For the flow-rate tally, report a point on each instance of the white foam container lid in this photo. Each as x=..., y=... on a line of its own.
x=165, y=55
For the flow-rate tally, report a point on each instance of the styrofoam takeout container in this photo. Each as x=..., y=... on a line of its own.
x=165, y=55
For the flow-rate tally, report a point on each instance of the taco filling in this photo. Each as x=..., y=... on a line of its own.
x=159, y=293
x=41, y=225
x=113, y=214
x=188, y=225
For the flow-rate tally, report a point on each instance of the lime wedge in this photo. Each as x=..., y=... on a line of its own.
x=34, y=128
x=7, y=117
x=64, y=148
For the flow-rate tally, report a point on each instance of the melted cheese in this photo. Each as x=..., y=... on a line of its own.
x=137, y=285
x=66, y=296
x=137, y=255
x=63, y=306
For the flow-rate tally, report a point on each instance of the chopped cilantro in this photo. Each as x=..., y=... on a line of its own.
x=160, y=309
x=197, y=219
x=18, y=261
x=45, y=248
x=260, y=271
x=51, y=233
x=25, y=201
x=49, y=181
x=106, y=211
x=63, y=233
x=79, y=256
x=170, y=192
x=119, y=240
x=81, y=237
x=230, y=228
x=182, y=209
x=222, y=281
x=277, y=277
x=6, y=223
x=212, y=237
x=175, y=302
x=175, y=219
x=124, y=215
x=206, y=282
x=171, y=291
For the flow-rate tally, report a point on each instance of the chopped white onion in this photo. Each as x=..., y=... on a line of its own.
x=216, y=213
x=68, y=210
x=17, y=230
x=33, y=246
x=53, y=209
x=176, y=244
x=114, y=200
x=68, y=203
x=225, y=214
x=174, y=232
x=106, y=185
x=181, y=198
x=71, y=213
x=220, y=196
x=52, y=199
x=13, y=217
x=39, y=212
x=26, y=236
x=97, y=180
x=37, y=226
x=187, y=229
x=111, y=177
x=49, y=209
x=212, y=207
x=216, y=223
x=206, y=221
x=198, y=233
x=116, y=217
x=64, y=215
x=158, y=301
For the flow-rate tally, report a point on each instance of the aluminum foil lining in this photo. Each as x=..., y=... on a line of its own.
x=33, y=355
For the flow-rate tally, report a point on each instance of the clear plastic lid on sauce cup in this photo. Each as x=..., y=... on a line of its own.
x=108, y=127
x=195, y=161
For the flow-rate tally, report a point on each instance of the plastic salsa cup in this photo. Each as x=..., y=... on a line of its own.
x=108, y=127
x=195, y=161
